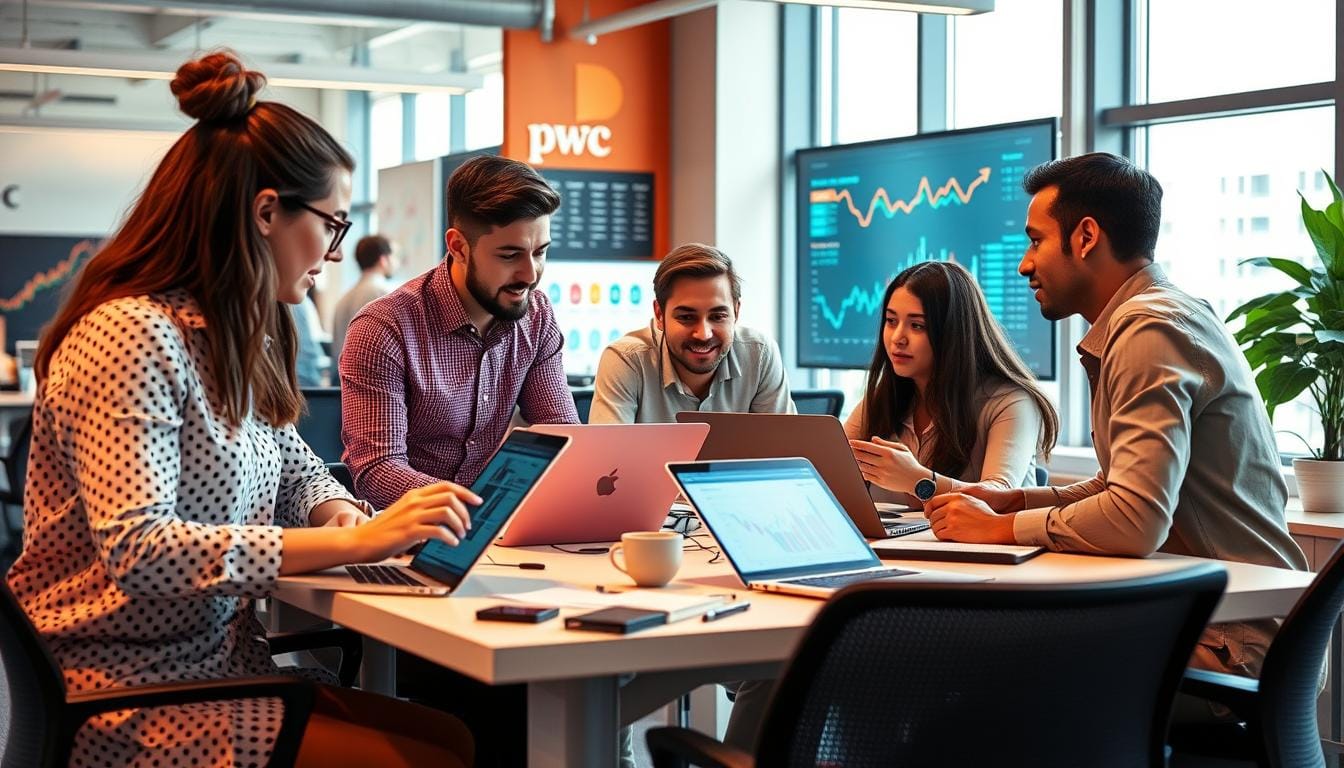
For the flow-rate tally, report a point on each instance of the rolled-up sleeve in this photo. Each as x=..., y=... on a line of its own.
x=1152, y=381
x=118, y=409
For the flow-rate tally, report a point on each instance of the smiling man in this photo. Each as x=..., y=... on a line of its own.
x=693, y=356
x=431, y=372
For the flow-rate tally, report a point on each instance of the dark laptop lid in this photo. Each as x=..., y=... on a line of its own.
x=774, y=518
x=508, y=477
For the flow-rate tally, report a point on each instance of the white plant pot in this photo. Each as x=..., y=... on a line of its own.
x=1320, y=484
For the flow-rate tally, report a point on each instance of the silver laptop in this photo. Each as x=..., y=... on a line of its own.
x=782, y=528
x=820, y=439
x=507, y=480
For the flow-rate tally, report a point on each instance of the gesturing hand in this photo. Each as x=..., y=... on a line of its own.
x=962, y=517
x=888, y=464
x=435, y=511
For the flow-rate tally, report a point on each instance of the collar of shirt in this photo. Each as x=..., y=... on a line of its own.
x=1094, y=341
x=447, y=304
x=728, y=367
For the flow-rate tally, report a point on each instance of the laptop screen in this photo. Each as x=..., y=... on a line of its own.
x=774, y=518
x=517, y=466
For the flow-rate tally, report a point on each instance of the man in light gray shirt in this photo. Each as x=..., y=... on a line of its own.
x=377, y=263
x=1188, y=459
x=693, y=356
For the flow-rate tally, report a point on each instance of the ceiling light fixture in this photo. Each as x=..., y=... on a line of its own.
x=279, y=74
x=666, y=9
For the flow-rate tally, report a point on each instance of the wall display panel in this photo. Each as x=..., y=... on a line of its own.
x=32, y=283
x=597, y=302
x=603, y=214
x=868, y=211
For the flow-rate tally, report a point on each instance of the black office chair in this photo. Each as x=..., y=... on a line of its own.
x=978, y=674
x=320, y=425
x=825, y=402
x=342, y=474
x=44, y=717
x=1042, y=477
x=583, y=402
x=16, y=472
x=1279, y=727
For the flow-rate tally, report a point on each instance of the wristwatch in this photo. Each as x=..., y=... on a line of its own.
x=927, y=487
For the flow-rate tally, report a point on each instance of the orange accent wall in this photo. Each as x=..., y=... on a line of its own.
x=622, y=82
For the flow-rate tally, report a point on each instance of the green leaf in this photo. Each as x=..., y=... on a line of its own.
x=1261, y=321
x=1333, y=319
x=1283, y=383
x=1271, y=349
x=1290, y=268
x=1268, y=301
x=1328, y=239
x=1334, y=190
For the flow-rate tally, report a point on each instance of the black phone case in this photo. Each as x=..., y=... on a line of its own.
x=494, y=613
x=618, y=620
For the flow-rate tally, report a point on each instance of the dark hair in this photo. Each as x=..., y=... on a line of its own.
x=192, y=229
x=693, y=260
x=491, y=191
x=370, y=249
x=1125, y=200
x=969, y=349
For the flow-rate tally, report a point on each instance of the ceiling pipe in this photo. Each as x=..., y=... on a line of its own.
x=510, y=14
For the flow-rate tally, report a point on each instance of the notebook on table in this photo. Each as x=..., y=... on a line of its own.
x=783, y=530
x=510, y=475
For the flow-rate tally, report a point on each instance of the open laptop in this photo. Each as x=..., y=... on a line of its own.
x=820, y=439
x=782, y=528
x=612, y=479
x=510, y=476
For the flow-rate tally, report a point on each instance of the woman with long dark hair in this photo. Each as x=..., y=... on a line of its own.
x=167, y=485
x=947, y=398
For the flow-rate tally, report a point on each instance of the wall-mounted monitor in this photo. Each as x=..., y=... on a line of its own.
x=867, y=211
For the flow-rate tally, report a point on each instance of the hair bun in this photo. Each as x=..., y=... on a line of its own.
x=216, y=88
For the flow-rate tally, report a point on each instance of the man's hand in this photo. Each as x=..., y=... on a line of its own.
x=962, y=517
x=1001, y=500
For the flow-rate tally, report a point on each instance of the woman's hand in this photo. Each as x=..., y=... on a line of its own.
x=888, y=464
x=346, y=518
x=437, y=511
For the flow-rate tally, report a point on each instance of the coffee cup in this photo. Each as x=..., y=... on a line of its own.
x=651, y=557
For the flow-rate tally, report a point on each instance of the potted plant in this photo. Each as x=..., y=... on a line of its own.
x=1294, y=339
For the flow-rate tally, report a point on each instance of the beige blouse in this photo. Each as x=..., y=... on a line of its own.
x=150, y=525
x=1007, y=437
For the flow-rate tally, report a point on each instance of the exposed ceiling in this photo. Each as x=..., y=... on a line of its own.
x=258, y=32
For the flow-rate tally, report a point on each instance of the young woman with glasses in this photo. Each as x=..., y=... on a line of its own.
x=167, y=487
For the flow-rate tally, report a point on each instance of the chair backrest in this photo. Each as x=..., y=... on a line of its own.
x=1287, y=722
x=583, y=401
x=1042, y=477
x=990, y=674
x=824, y=402
x=29, y=730
x=320, y=426
x=342, y=474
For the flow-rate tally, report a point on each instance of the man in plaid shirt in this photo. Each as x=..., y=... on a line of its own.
x=431, y=372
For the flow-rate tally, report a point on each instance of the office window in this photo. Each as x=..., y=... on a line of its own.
x=385, y=131
x=1188, y=158
x=1007, y=65
x=431, y=125
x=1204, y=49
x=876, y=63
x=485, y=113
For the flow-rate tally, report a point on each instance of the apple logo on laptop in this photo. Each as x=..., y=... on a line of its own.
x=606, y=484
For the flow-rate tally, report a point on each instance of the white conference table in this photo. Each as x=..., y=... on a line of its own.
x=575, y=700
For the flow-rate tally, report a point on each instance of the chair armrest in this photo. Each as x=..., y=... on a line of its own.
x=669, y=746
x=295, y=694
x=348, y=642
x=1240, y=694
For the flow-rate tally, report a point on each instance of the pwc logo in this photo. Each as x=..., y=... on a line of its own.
x=597, y=97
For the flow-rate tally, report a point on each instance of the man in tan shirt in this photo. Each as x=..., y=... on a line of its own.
x=1188, y=459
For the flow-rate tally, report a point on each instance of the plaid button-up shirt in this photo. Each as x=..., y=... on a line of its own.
x=425, y=397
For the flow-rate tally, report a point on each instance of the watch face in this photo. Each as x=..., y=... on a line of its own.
x=925, y=489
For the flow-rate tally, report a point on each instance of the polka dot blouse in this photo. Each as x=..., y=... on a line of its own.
x=150, y=524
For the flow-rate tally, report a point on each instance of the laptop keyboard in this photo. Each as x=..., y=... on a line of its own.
x=381, y=574
x=906, y=528
x=844, y=579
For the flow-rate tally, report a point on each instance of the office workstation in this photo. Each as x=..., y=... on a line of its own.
x=605, y=382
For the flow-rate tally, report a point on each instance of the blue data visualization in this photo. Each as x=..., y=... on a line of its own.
x=868, y=211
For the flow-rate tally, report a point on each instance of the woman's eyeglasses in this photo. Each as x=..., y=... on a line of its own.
x=339, y=225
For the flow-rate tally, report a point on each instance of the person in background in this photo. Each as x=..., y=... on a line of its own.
x=1189, y=463
x=377, y=264
x=693, y=356
x=947, y=396
x=312, y=364
x=168, y=488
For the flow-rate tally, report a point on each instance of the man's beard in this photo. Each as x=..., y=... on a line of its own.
x=491, y=303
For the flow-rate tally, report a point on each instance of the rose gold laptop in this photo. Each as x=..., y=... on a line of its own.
x=610, y=480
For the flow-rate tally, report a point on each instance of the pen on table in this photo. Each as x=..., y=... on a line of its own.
x=714, y=614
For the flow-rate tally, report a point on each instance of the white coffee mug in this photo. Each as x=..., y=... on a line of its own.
x=652, y=558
